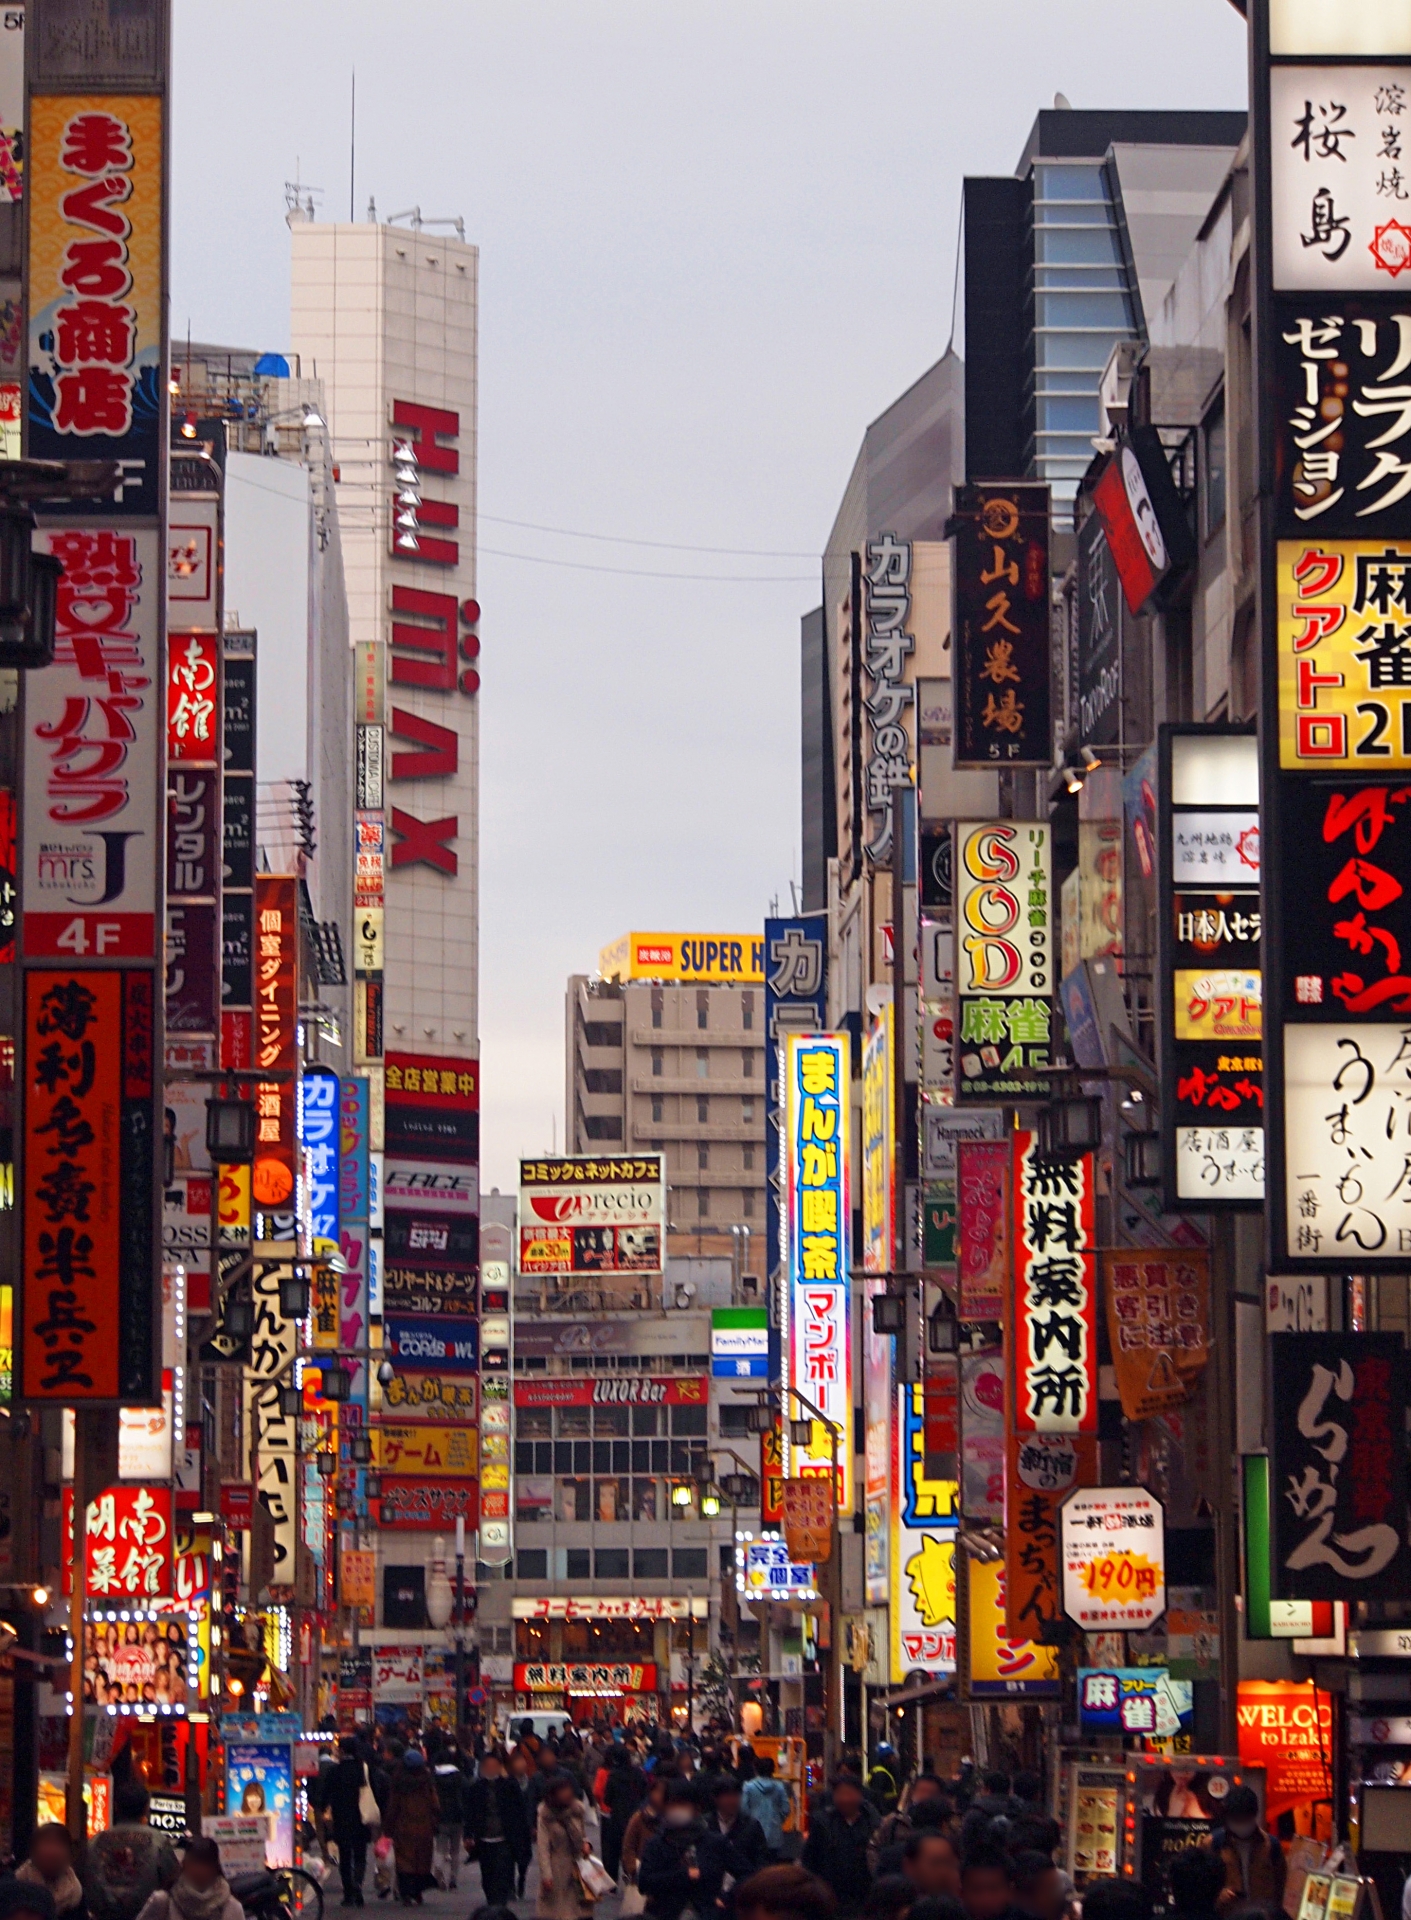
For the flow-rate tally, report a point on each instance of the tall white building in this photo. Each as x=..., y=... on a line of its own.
x=388, y=316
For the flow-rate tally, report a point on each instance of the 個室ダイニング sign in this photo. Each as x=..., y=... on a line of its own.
x=818, y=1335
x=1003, y=958
x=1112, y=1548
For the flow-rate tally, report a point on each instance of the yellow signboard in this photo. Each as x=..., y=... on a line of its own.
x=703, y=959
x=999, y=1665
x=435, y=1450
x=1218, y=1004
x=1345, y=654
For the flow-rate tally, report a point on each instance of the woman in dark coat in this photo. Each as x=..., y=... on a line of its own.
x=413, y=1815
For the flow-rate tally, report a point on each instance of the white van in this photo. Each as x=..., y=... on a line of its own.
x=546, y=1726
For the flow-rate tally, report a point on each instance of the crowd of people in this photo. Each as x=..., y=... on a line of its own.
x=683, y=1830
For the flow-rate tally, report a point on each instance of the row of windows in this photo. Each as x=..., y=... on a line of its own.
x=748, y=1056
x=747, y=1005
x=704, y=1109
x=619, y=1563
x=608, y=1423
x=606, y=1500
x=615, y=1362
x=725, y=1205
x=603, y=1456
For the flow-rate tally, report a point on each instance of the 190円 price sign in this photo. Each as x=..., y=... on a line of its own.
x=1112, y=1546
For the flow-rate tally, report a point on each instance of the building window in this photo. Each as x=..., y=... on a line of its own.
x=703, y=1010
x=658, y=1107
x=702, y=1157
x=603, y=1079
x=734, y=1421
x=610, y=1563
x=602, y=1126
x=702, y=1064
x=688, y=1423
x=747, y=1112
x=688, y=1563
x=649, y=1563
x=749, y=1159
x=1215, y=464
x=702, y=1108
x=658, y=1066
x=658, y=1002
x=577, y=1564
x=747, y=1011
x=702, y=1204
x=747, y=1062
x=404, y=1597
x=599, y=1033
x=749, y=1203
x=533, y=1563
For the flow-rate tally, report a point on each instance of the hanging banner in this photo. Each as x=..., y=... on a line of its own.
x=87, y=1326
x=982, y=1434
x=1337, y=1466
x=319, y=1134
x=128, y=1544
x=276, y=1001
x=925, y=1516
x=771, y=1474
x=879, y=1197
x=1054, y=1319
x=1112, y=1548
x=1038, y=1475
x=795, y=1001
x=818, y=1336
x=1001, y=626
x=95, y=287
x=998, y=1665
x=984, y=1171
x=1003, y=959
x=1158, y=1326
x=877, y=1404
x=809, y=1518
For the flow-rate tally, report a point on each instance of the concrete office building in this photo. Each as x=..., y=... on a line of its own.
x=664, y=1066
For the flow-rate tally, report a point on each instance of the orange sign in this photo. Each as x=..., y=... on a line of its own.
x=771, y=1473
x=1287, y=1728
x=809, y=1518
x=1039, y=1471
x=1158, y=1322
x=357, y=1574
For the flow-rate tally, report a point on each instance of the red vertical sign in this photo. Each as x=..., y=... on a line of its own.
x=1053, y=1334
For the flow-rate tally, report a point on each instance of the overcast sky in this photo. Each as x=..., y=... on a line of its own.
x=717, y=237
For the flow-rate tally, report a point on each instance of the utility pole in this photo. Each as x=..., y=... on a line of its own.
x=460, y=1622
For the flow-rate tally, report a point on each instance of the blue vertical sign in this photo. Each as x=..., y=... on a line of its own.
x=795, y=1001
x=320, y=1138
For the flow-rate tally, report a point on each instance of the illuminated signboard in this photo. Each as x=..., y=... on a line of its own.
x=819, y=1218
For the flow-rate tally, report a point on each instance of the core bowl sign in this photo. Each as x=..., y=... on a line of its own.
x=1112, y=1543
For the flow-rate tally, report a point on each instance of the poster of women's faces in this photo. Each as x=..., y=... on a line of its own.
x=259, y=1780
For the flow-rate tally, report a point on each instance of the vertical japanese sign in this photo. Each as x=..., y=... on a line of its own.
x=274, y=1344
x=237, y=843
x=819, y=1341
x=92, y=755
x=925, y=1517
x=1333, y=343
x=1337, y=1469
x=193, y=864
x=1210, y=979
x=320, y=1127
x=1158, y=1326
x=1001, y=626
x=96, y=293
x=129, y=1544
x=771, y=1474
x=1053, y=1328
x=877, y=1412
x=879, y=1197
x=889, y=696
x=984, y=1170
x=795, y=1001
x=87, y=1328
x=1038, y=1475
x=275, y=1052
x=1004, y=959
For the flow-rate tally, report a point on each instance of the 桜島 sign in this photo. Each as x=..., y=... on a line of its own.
x=1054, y=1324
x=1112, y=1550
x=1003, y=958
x=818, y=1338
x=1001, y=626
x=1337, y=1469
x=1337, y=167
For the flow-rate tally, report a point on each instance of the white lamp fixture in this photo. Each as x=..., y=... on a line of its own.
x=439, y=1597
